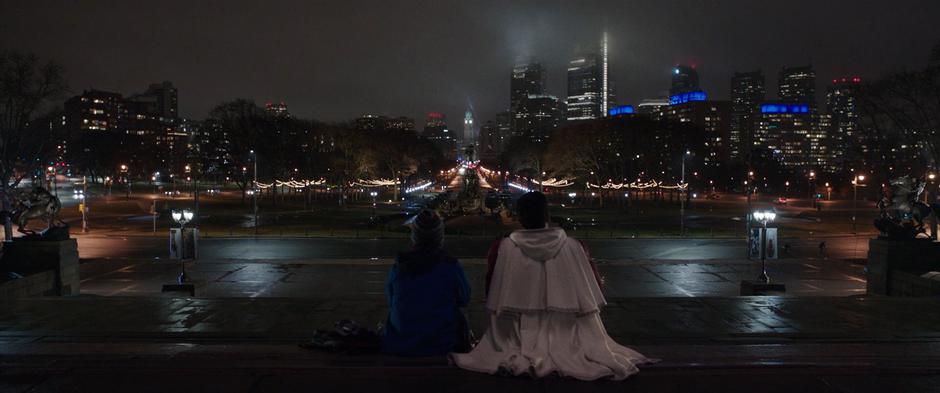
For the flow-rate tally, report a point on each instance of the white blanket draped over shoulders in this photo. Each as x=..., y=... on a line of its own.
x=543, y=306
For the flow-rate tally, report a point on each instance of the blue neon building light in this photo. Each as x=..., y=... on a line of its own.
x=691, y=96
x=620, y=110
x=784, y=108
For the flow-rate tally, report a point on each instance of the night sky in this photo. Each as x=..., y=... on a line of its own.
x=335, y=60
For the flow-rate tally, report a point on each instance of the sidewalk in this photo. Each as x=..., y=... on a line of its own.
x=732, y=344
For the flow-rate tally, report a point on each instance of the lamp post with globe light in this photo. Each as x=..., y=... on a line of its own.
x=763, y=217
x=181, y=217
x=373, y=194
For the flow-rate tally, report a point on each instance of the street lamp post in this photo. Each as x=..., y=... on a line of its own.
x=930, y=177
x=83, y=203
x=855, y=181
x=812, y=187
x=55, y=182
x=933, y=216
x=764, y=217
x=682, y=198
x=127, y=181
x=191, y=176
x=254, y=194
x=182, y=217
x=374, y=194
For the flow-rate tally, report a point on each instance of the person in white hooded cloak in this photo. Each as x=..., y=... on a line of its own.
x=543, y=302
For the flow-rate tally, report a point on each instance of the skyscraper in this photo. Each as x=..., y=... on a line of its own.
x=711, y=117
x=784, y=129
x=584, y=88
x=684, y=80
x=435, y=129
x=534, y=114
x=166, y=97
x=589, y=89
x=747, y=92
x=605, y=78
x=527, y=79
x=797, y=85
x=841, y=104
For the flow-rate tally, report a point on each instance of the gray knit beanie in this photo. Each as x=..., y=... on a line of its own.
x=427, y=229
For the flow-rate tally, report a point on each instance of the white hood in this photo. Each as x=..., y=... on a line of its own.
x=539, y=244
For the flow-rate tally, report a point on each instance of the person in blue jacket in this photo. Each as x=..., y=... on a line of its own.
x=426, y=290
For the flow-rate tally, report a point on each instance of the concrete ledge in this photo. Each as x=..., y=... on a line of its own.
x=36, y=258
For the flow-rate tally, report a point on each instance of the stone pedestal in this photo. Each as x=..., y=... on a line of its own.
x=40, y=258
x=759, y=288
x=914, y=257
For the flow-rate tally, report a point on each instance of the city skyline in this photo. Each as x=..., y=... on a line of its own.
x=425, y=68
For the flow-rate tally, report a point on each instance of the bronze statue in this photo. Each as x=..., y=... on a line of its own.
x=903, y=215
x=36, y=203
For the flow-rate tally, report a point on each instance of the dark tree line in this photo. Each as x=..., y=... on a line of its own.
x=286, y=148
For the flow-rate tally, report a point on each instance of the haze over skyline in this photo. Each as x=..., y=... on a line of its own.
x=334, y=62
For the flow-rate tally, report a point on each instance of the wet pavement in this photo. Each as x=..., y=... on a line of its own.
x=772, y=344
x=149, y=247
x=365, y=278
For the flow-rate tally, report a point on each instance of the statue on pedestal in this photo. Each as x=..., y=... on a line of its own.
x=903, y=215
x=38, y=203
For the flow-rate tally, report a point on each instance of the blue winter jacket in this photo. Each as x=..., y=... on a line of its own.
x=425, y=290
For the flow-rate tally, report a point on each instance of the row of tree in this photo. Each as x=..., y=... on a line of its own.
x=239, y=132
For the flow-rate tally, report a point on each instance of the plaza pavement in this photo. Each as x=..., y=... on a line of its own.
x=365, y=278
x=726, y=344
x=265, y=248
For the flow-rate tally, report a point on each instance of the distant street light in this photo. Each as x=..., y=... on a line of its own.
x=764, y=217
